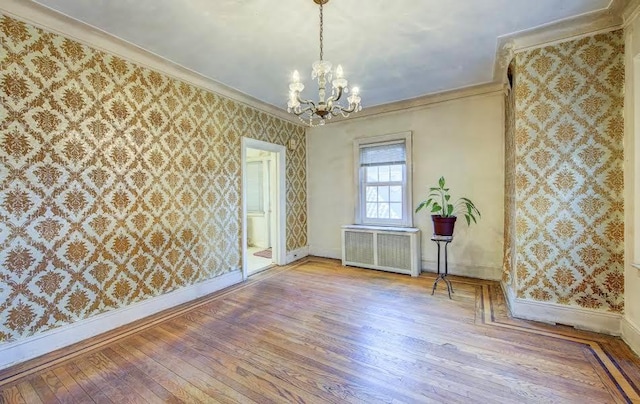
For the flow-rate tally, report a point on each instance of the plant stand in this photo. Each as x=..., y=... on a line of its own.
x=442, y=275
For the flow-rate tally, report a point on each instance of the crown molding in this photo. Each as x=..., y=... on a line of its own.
x=424, y=101
x=53, y=21
x=604, y=20
x=618, y=13
x=631, y=12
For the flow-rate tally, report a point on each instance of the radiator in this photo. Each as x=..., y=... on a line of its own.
x=394, y=249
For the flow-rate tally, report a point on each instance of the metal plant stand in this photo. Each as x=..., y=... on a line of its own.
x=443, y=275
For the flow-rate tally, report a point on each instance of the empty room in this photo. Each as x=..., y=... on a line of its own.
x=319, y=201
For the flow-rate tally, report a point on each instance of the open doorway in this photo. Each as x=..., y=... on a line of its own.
x=260, y=197
x=263, y=206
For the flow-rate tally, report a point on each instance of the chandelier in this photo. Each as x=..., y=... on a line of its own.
x=315, y=113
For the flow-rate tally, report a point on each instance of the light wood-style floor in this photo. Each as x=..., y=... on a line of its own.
x=319, y=332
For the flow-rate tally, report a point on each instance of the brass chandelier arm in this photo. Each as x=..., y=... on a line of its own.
x=338, y=110
x=305, y=102
x=337, y=98
x=310, y=108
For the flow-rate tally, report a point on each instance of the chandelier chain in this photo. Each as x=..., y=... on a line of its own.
x=321, y=29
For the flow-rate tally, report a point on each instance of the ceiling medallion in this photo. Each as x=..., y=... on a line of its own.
x=315, y=113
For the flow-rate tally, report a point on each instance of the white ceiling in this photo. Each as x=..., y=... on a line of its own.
x=393, y=50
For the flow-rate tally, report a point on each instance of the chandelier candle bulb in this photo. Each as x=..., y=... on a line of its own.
x=315, y=113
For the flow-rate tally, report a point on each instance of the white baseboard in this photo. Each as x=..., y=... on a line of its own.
x=584, y=319
x=335, y=253
x=631, y=334
x=297, y=254
x=13, y=353
x=471, y=271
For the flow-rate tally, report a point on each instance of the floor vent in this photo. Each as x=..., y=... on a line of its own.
x=394, y=249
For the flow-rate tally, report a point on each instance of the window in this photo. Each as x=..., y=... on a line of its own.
x=383, y=174
x=255, y=198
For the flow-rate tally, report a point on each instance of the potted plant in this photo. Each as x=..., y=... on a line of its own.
x=444, y=212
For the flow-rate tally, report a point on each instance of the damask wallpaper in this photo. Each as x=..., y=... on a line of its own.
x=117, y=183
x=569, y=224
x=509, y=184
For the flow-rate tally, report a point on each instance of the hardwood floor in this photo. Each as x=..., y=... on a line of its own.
x=319, y=332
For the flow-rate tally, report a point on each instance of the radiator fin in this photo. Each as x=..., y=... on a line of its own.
x=394, y=251
x=359, y=247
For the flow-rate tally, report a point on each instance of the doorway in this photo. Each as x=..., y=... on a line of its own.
x=263, y=206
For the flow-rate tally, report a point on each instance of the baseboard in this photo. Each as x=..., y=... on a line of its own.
x=335, y=253
x=584, y=319
x=16, y=352
x=471, y=271
x=297, y=254
x=631, y=334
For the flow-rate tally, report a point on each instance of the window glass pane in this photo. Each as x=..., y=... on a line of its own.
x=395, y=193
x=384, y=174
x=372, y=174
x=383, y=210
x=395, y=173
x=383, y=194
x=254, y=187
x=372, y=194
x=395, y=210
x=372, y=210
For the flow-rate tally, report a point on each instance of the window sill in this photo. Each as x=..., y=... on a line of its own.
x=378, y=227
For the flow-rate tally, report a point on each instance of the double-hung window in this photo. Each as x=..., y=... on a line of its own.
x=383, y=170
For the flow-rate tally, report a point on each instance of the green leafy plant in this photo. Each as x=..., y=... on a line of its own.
x=439, y=201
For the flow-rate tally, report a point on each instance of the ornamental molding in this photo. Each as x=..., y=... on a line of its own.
x=605, y=20
x=631, y=12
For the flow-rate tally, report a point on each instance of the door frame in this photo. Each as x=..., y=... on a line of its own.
x=279, y=209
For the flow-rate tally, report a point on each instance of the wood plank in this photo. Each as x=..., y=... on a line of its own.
x=74, y=391
x=12, y=395
x=176, y=384
x=56, y=386
x=42, y=389
x=87, y=384
x=319, y=332
x=28, y=393
x=375, y=378
x=262, y=372
x=201, y=380
x=152, y=392
x=373, y=363
x=114, y=388
x=204, y=357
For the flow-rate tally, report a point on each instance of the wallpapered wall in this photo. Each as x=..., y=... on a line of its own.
x=117, y=183
x=569, y=173
x=508, y=277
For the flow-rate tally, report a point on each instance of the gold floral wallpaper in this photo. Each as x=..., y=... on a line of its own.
x=509, y=183
x=117, y=183
x=569, y=173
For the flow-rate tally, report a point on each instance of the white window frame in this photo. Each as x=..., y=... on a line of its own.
x=360, y=208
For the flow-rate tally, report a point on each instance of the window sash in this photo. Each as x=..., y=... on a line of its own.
x=365, y=157
x=364, y=202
